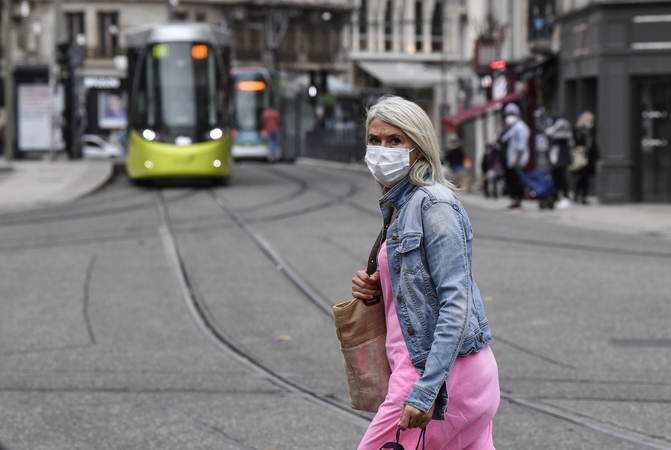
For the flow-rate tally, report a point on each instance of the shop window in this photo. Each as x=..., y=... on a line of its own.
x=75, y=26
x=181, y=16
x=541, y=19
x=388, y=26
x=363, y=26
x=437, y=28
x=418, y=25
x=108, y=34
x=200, y=17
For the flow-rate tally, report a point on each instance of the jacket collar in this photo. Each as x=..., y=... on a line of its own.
x=397, y=196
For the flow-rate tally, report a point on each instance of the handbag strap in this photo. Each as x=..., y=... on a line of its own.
x=372, y=258
x=397, y=446
x=422, y=439
x=394, y=445
x=371, y=268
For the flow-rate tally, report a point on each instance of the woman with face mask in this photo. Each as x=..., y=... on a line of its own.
x=514, y=139
x=437, y=332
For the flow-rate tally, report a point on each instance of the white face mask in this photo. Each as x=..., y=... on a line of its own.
x=388, y=165
x=511, y=120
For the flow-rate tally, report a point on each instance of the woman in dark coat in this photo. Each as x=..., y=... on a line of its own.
x=586, y=138
x=561, y=145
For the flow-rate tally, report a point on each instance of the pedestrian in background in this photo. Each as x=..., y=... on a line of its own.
x=455, y=155
x=585, y=144
x=561, y=145
x=460, y=165
x=437, y=332
x=270, y=119
x=514, y=142
x=492, y=170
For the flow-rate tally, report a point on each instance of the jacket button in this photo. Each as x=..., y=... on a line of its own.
x=394, y=235
x=422, y=366
x=410, y=330
x=397, y=269
x=481, y=339
x=399, y=298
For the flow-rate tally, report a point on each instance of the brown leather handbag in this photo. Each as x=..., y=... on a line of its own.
x=362, y=331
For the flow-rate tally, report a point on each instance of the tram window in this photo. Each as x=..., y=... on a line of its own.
x=180, y=87
x=250, y=100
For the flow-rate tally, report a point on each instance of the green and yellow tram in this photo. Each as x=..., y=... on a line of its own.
x=179, y=119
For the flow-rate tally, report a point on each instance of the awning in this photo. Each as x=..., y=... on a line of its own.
x=405, y=74
x=466, y=115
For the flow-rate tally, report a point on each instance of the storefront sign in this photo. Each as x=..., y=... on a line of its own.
x=487, y=51
x=648, y=144
x=655, y=115
x=102, y=82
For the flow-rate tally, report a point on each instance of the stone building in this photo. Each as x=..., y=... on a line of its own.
x=425, y=50
x=615, y=61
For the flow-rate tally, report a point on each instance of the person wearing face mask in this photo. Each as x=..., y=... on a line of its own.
x=514, y=138
x=438, y=336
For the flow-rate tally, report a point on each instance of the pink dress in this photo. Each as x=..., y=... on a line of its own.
x=473, y=388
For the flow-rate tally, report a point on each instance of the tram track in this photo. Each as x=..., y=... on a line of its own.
x=531, y=403
x=198, y=311
x=85, y=213
x=573, y=246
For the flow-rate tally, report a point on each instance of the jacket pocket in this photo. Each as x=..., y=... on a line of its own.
x=409, y=251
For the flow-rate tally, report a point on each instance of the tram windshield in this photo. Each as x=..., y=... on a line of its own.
x=250, y=101
x=180, y=90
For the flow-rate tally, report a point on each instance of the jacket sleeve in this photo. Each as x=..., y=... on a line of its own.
x=446, y=236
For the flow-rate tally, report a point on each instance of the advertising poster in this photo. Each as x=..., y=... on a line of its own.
x=112, y=110
x=34, y=122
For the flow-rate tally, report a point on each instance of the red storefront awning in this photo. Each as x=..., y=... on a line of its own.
x=466, y=115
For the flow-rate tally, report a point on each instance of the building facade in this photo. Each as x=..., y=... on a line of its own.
x=297, y=38
x=615, y=61
x=428, y=51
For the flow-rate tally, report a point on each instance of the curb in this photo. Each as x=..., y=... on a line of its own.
x=92, y=183
x=38, y=184
x=305, y=161
x=629, y=219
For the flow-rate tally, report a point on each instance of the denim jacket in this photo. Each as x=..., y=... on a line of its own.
x=437, y=301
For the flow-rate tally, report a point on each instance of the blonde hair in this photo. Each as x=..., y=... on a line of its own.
x=414, y=122
x=584, y=118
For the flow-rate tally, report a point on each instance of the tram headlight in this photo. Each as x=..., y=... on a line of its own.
x=149, y=135
x=216, y=133
x=216, y=163
x=148, y=164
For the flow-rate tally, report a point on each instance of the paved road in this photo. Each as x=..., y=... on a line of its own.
x=101, y=348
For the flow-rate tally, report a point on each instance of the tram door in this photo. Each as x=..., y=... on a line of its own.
x=653, y=158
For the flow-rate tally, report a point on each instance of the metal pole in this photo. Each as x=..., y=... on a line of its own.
x=10, y=120
x=511, y=27
x=54, y=76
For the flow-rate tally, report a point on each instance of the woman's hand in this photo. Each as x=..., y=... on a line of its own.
x=364, y=286
x=412, y=417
